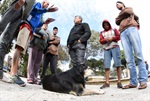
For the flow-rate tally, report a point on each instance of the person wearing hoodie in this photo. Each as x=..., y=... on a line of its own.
x=131, y=42
x=109, y=38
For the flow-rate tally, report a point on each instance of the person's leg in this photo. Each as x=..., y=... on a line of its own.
x=31, y=62
x=53, y=63
x=37, y=64
x=117, y=62
x=107, y=63
x=72, y=53
x=8, y=17
x=80, y=57
x=15, y=60
x=128, y=51
x=7, y=33
x=21, y=44
x=137, y=46
x=45, y=64
x=107, y=73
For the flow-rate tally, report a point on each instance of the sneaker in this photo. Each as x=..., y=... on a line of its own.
x=1, y=74
x=7, y=78
x=18, y=81
x=105, y=86
x=119, y=85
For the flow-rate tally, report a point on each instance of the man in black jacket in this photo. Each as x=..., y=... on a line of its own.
x=77, y=42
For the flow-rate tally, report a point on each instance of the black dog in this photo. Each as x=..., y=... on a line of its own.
x=70, y=82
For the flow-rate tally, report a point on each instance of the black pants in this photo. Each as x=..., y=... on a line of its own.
x=52, y=59
x=77, y=54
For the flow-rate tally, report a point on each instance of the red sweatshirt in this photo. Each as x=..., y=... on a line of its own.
x=112, y=33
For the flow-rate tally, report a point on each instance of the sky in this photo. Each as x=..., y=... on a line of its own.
x=94, y=12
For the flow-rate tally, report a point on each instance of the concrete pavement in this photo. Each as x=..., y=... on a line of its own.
x=12, y=92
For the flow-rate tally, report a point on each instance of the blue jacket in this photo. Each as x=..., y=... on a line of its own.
x=34, y=18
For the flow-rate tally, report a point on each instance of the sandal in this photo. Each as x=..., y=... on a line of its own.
x=119, y=85
x=142, y=86
x=129, y=86
x=30, y=81
x=105, y=86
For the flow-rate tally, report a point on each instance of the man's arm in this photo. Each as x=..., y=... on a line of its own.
x=56, y=41
x=19, y=4
x=87, y=33
x=37, y=8
x=102, y=39
x=117, y=35
x=124, y=14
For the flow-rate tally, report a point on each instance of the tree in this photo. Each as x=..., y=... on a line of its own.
x=123, y=61
x=4, y=6
x=93, y=47
x=63, y=54
x=97, y=66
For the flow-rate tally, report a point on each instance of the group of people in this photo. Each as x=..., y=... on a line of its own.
x=128, y=27
x=22, y=18
x=33, y=30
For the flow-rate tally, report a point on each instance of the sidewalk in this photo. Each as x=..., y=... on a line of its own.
x=12, y=92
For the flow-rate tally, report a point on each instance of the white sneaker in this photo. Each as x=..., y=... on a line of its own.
x=7, y=78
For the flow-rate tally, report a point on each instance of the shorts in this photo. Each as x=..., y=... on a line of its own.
x=112, y=53
x=23, y=39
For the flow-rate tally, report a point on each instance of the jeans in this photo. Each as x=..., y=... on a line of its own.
x=77, y=54
x=8, y=25
x=112, y=53
x=131, y=41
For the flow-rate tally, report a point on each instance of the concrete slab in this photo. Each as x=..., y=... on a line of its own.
x=12, y=92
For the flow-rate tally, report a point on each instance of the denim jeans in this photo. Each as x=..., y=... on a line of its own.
x=131, y=41
x=112, y=53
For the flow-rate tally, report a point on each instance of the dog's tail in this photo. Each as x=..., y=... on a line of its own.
x=92, y=92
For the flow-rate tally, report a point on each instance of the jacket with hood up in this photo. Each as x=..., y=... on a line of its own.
x=113, y=33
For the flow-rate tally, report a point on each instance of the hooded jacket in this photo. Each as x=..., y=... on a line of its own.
x=112, y=33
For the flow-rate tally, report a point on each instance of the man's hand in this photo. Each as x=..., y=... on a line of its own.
x=109, y=39
x=49, y=20
x=43, y=37
x=79, y=41
x=52, y=9
x=52, y=37
x=19, y=4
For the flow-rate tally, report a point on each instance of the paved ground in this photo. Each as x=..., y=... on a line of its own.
x=12, y=92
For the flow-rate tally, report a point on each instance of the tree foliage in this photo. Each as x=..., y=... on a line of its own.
x=96, y=65
x=63, y=54
x=93, y=47
x=4, y=6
